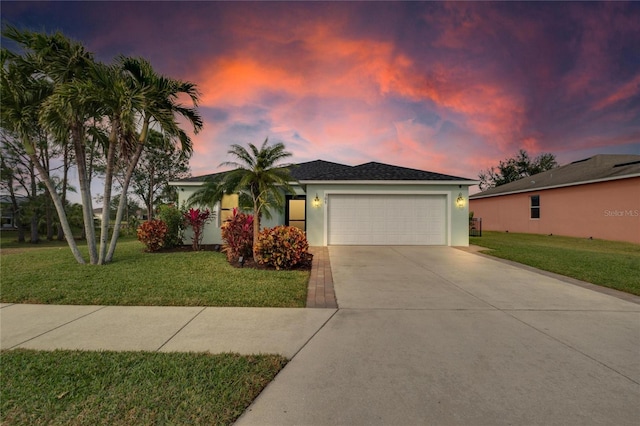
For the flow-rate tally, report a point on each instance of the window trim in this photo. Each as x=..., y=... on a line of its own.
x=534, y=207
x=220, y=210
x=287, y=217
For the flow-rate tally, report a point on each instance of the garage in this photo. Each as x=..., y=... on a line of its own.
x=386, y=219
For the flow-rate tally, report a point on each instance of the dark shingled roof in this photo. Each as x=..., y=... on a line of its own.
x=320, y=170
x=312, y=169
x=379, y=171
x=596, y=168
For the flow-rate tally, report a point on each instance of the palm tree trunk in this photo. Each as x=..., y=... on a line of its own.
x=123, y=201
x=57, y=202
x=65, y=179
x=35, y=238
x=122, y=205
x=106, y=200
x=17, y=221
x=85, y=193
x=150, y=195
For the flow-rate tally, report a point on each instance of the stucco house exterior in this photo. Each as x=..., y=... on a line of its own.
x=597, y=197
x=369, y=204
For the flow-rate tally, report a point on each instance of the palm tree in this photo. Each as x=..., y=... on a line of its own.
x=158, y=107
x=259, y=176
x=65, y=64
x=22, y=94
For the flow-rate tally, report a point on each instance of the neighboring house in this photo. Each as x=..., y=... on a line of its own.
x=6, y=210
x=370, y=204
x=596, y=197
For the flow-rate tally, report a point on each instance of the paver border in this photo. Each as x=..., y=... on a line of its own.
x=320, y=291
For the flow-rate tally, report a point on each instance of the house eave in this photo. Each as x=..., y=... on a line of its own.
x=178, y=183
x=544, y=188
x=390, y=182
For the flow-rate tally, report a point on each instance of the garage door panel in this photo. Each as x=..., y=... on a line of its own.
x=375, y=219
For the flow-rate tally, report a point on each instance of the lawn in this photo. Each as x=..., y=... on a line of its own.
x=124, y=388
x=607, y=263
x=48, y=274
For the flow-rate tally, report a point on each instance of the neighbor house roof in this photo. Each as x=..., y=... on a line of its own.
x=326, y=171
x=599, y=168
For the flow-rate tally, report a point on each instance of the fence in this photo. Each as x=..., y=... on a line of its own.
x=475, y=227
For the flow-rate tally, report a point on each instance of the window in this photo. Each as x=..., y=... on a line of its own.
x=227, y=204
x=295, y=214
x=535, y=207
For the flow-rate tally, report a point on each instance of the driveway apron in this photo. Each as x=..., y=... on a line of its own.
x=439, y=336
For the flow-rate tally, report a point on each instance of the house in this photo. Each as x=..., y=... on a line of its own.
x=369, y=204
x=8, y=221
x=596, y=197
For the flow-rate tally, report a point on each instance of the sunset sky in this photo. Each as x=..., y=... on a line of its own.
x=445, y=87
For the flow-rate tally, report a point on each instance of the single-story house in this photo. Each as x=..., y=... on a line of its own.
x=596, y=197
x=369, y=204
x=6, y=210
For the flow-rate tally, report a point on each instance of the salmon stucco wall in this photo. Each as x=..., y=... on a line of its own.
x=605, y=210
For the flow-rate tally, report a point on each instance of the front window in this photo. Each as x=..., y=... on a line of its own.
x=227, y=204
x=535, y=206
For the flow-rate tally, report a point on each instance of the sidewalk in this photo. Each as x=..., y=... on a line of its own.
x=174, y=329
x=159, y=328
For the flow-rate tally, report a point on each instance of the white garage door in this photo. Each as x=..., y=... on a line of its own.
x=374, y=219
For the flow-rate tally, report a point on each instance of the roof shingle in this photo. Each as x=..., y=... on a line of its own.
x=596, y=168
x=320, y=170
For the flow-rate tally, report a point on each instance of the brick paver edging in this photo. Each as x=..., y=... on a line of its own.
x=320, y=293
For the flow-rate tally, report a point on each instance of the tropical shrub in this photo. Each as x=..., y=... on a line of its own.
x=152, y=234
x=282, y=247
x=197, y=219
x=237, y=234
x=174, y=219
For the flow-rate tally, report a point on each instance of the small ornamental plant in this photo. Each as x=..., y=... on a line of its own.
x=282, y=247
x=152, y=233
x=237, y=234
x=172, y=216
x=197, y=219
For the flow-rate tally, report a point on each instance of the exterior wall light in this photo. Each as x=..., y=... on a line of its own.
x=316, y=202
x=460, y=201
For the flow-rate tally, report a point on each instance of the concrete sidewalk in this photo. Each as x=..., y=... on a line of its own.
x=166, y=329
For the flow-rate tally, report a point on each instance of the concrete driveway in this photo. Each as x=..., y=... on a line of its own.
x=439, y=336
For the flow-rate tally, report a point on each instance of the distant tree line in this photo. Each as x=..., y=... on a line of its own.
x=515, y=168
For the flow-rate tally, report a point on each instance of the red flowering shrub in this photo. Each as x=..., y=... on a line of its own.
x=237, y=234
x=282, y=247
x=152, y=234
x=197, y=220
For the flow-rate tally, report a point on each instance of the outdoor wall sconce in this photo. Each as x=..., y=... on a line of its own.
x=460, y=201
x=316, y=202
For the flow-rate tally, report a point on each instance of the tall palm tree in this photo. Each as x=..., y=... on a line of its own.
x=117, y=100
x=66, y=64
x=259, y=174
x=159, y=108
x=22, y=96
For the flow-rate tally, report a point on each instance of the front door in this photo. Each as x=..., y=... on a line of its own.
x=295, y=214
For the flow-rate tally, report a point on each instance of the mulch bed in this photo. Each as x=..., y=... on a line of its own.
x=248, y=263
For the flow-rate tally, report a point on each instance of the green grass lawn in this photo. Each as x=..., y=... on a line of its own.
x=607, y=263
x=47, y=273
x=125, y=388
